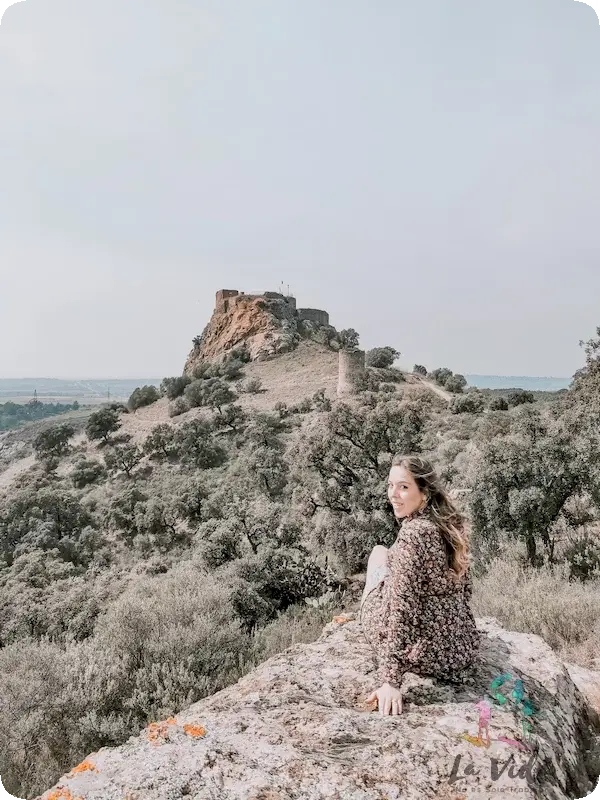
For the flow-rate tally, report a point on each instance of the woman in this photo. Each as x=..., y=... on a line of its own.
x=415, y=607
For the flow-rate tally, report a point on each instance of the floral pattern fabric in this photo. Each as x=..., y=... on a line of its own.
x=416, y=618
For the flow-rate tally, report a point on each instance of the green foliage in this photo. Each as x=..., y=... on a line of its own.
x=160, y=445
x=440, y=375
x=102, y=423
x=212, y=392
x=251, y=386
x=419, y=369
x=54, y=442
x=86, y=472
x=498, y=403
x=144, y=396
x=123, y=457
x=519, y=397
x=46, y=519
x=583, y=557
x=348, y=339
x=381, y=357
x=470, y=403
x=15, y=415
x=456, y=383
x=521, y=481
x=196, y=446
x=179, y=406
x=174, y=387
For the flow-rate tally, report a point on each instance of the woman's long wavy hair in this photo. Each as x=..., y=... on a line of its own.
x=441, y=509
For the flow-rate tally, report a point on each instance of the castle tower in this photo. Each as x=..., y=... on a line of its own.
x=351, y=368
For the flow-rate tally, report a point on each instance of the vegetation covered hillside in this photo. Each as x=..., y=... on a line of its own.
x=169, y=545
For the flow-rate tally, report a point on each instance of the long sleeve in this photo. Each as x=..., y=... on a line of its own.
x=403, y=588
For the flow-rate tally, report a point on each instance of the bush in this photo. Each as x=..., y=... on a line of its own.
x=143, y=397
x=583, y=557
x=471, y=403
x=498, y=404
x=381, y=357
x=519, y=397
x=179, y=406
x=173, y=387
x=456, y=384
x=419, y=369
x=320, y=402
x=87, y=471
x=212, y=392
x=251, y=386
x=440, y=375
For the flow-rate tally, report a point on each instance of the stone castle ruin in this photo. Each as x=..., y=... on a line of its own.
x=226, y=297
x=269, y=324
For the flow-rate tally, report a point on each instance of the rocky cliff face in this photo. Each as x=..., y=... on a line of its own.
x=299, y=728
x=265, y=325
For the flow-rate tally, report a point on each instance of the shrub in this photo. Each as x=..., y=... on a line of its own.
x=419, y=369
x=519, y=397
x=173, y=387
x=381, y=357
x=583, y=557
x=179, y=406
x=471, y=403
x=251, y=386
x=87, y=471
x=498, y=403
x=456, y=383
x=102, y=423
x=143, y=397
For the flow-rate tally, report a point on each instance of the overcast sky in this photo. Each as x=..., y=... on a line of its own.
x=427, y=172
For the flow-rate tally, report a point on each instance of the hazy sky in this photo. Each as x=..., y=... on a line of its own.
x=427, y=172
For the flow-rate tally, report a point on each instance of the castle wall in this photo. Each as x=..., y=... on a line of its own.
x=351, y=367
x=314, y=315
x=223, y=296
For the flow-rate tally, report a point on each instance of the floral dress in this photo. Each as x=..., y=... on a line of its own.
x=416, y=618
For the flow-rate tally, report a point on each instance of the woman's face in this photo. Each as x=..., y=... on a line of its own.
x=403, y=492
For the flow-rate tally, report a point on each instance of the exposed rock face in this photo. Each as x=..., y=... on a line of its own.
x=266, y=324
x=298, y=728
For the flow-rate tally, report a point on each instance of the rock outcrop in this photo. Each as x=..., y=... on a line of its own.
x=299, y=728
x=265, y=324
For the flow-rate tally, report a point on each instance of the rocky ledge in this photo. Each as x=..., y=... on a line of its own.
x=299, y=728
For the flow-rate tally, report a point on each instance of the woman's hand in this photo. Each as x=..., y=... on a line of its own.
x=389, y=700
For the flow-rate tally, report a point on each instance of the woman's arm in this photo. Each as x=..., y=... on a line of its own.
x=403, y=589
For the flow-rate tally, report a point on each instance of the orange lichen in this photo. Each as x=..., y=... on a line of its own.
x=62, y=793
x=194, y=730
x=157, y=731
x=84, y=766
x=341, y=619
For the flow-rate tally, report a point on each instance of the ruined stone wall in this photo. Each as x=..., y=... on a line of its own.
x=314, y=315
x=351, y=368
x=223, y=297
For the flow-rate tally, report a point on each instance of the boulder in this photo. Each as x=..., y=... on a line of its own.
x=299, y=728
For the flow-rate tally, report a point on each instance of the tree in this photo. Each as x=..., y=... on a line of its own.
x=102, y=423
x=160, y=444
x=419, y=369
x=456, y=383
x=125, y=457
x=348, y=339
x=518, y=397
x=212, y=392
x=197, y=447
x=470, y=403
x=440, y=375
x=54, y=442
x=143, y=397
x=520, y=482
x=382, y=357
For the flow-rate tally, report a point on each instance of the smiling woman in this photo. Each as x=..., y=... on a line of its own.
x=415, y=608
